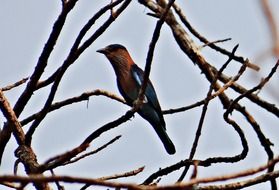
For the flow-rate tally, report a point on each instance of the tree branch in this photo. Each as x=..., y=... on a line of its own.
x=83, y=97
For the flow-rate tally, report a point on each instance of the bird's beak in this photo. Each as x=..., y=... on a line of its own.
x=103, y=51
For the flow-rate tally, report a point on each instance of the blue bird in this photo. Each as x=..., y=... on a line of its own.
x=129, y=80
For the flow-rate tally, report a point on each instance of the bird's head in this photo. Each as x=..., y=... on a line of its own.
x=110, y=49
x=117, y=54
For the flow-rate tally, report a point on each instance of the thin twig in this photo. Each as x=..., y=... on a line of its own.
x=66, y=179
x=204, y=40
x=258, y=87
x=150, y=52
x=92, y=152
x=184, y=108
x=265, y=142
x=16, y=84
x=9, y=184
x=244, y=173
x=83, y=97
x=217, y=93
x=109, y=126
x=116, y=176
x=62, y=158
x=59, y=187
x=270, y=107
x=126, y=174
x=243, y=184
x=215, y=42
x=104, y=26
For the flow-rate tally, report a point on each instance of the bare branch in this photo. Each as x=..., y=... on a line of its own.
x=258, y=87
x=217, y=93
x=264, y=141
x=244, y=173
x=69, y=179
x=92, y=152
x=216, y=41
x=204, y=40
x=126, y=174
x=12, y=120
x=150, y=52
x=61, y=159
x=83, y=97
x=43, y=59
x=116, y=176
x=271, y=108
x=110, y=126
x=198, y=132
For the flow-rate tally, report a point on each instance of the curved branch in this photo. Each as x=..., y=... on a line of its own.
x=204, y=40
x=83, y=97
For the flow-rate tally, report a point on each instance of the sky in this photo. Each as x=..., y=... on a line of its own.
x=25, y=27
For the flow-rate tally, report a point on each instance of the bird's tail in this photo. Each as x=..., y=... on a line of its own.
x=161, y=132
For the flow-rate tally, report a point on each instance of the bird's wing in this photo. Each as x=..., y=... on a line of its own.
x=150, y=93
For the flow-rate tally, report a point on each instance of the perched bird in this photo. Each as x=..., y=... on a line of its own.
x=129, y=80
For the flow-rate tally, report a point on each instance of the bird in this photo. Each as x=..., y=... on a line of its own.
x=129, y=77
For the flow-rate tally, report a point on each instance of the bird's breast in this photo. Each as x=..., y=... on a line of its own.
x=127, y=87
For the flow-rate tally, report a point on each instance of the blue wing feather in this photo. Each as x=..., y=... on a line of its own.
x=150, y=93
